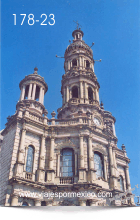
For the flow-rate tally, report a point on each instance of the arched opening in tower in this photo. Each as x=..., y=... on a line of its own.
x=90, y=94
x=26, y=92
x=87, y=64
x=75, y=92
x=74, y=62
x=37, y=93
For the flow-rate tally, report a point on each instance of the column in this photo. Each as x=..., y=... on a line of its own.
x=14, y=200
x=93, y=203
x=92, y=172
x=19, y=166
x=91, y=163
x=21, y=148
x=81, y=152
x=127, y=178
x=82, y=170
x=76, y=164
x=34, y=90
x=86, y=93
x=114, y=132
x=51, y=153
x=77, y=62
x=64, y=96
x=30, y=90
x=58, y=164
x=37, y=203
x=97, y=95
x=111, y=160
x=23, y=93
x=113, y=179
x=84, y=63
x=51, y=171
x=105, y=170
x=81, y=90
x=67, y=96
x=49, y=203
x=68, y=65
x=114, y=158
x=82, y=203
x=80, y=63
x=40, y=95
x=42, y=153
x=43, y=93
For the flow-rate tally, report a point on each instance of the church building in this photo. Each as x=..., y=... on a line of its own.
x=74, y=153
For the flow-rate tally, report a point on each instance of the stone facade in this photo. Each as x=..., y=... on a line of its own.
x=82, y=127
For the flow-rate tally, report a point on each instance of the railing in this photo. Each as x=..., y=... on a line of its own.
x=74, y=100
x=28, y=176
x=93, y=102
x=66, y=180
x=68, y=122
x=84, y=120
x=36, y=118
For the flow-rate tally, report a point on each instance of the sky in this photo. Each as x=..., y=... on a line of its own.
x=114, y=27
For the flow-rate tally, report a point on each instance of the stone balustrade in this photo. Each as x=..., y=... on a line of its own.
x=66, y=180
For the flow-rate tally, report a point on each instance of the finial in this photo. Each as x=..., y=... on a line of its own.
x=123, y=147
x=88, y=113
x=45, y=112
x=77, y=26
x=102, y=105
x=35, y=70
x=53, y=114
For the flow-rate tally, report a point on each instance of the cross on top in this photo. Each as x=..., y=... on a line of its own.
x=77, y=24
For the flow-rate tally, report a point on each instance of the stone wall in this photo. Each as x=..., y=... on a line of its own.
x=5, y=157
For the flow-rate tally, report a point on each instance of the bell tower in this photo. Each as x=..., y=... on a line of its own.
x=33, y=88
x=80, y=88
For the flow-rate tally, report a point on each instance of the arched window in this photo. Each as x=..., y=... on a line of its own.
x=37, y=93
x=66, y=163
x=76, y=36
x=74, y=62
x=26, y=92
x=75, y=92
x=30, y=157
x=121, y=183
x=98, y=164
x=25, y=204
x=87, y=63
x=90, y=94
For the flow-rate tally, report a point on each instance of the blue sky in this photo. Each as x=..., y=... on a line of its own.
x=114, y=26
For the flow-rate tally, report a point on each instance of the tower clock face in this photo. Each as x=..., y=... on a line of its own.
x=97, y=121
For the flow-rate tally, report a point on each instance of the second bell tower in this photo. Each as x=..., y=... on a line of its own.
x=80, y=88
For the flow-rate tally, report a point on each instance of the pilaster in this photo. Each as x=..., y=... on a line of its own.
x=50, y=171
x=41, y=170
x=91, y=161
x=14, y=200
x=82, y=170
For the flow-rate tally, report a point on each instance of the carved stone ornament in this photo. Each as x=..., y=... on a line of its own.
x=91, y=158
x=81, y=157
x=73, y=109
x=21, y=150
x=42, y=157
x=66, y=142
